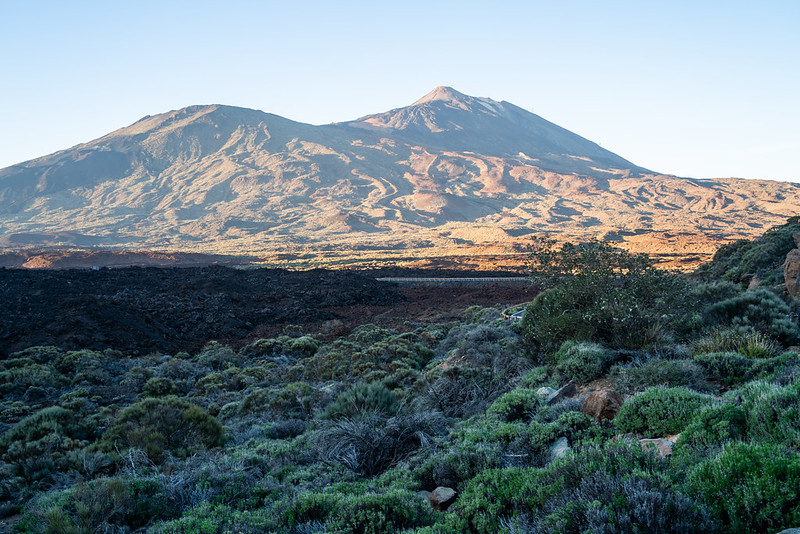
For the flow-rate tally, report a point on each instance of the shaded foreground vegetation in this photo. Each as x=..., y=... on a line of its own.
x=299, y=433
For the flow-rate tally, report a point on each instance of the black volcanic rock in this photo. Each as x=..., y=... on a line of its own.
x=143, y=310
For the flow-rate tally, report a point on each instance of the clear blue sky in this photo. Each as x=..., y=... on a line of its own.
x=692, y=88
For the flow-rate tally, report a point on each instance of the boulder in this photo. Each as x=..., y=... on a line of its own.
x=566, y=392
x=796, y=237
x=559, y=449
x=662, y=445
x=790, y=530
x=602, y=404
x=545, y=391
x=791, y=269
x=442, y=497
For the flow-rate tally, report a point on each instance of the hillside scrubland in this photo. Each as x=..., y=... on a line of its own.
x=627, y=399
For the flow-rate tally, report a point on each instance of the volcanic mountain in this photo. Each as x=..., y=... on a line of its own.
x=449, y=175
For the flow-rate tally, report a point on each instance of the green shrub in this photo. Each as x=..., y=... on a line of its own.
x=102, y=505
x=780, y=369
x=367, y=513
x=746, y=341
x=617, y=503
x=19, y=374
x=158, y=386
x=751, y=488
x=712, y=427
x=208, y=518
x=759, y=310
x=454, y=465
x=623, y=482
x=495, y=494
x=156, y=425
x=726, y=367
x=763, y=255
x=40, y=445
x=295, y=347
x=218, y=357
x=671, y=373
x=363, y=397
x=599, y=293
x=293, y=401
x=536, y=378
x=660, y=411
x=516, y=404
x=581, y=362
x=773, y=412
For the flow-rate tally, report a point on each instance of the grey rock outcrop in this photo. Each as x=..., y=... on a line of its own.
x=442, y=497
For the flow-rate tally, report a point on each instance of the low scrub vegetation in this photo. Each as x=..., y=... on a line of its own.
x=300, y=433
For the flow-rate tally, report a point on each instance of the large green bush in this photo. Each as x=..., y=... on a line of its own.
x=593, y=490
x=773, y=412
x=712, y=427
x=751, y=488
x=660, y=411
x=599, y=293
x=39, y=445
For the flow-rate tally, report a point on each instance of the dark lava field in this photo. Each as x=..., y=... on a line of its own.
x=144, y=310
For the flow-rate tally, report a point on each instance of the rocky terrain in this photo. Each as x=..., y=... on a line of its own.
x=144, y=310
x=449, y=176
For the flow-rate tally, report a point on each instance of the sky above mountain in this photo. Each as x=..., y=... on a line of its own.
x=701, y=89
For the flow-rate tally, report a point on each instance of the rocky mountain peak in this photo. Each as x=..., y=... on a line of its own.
x=444, y=94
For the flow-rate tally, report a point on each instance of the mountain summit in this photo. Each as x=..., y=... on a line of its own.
x=450, y=174
x=445, y=94
x=451, y=120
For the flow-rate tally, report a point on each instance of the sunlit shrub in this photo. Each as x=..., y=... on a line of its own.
x=599, y=293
